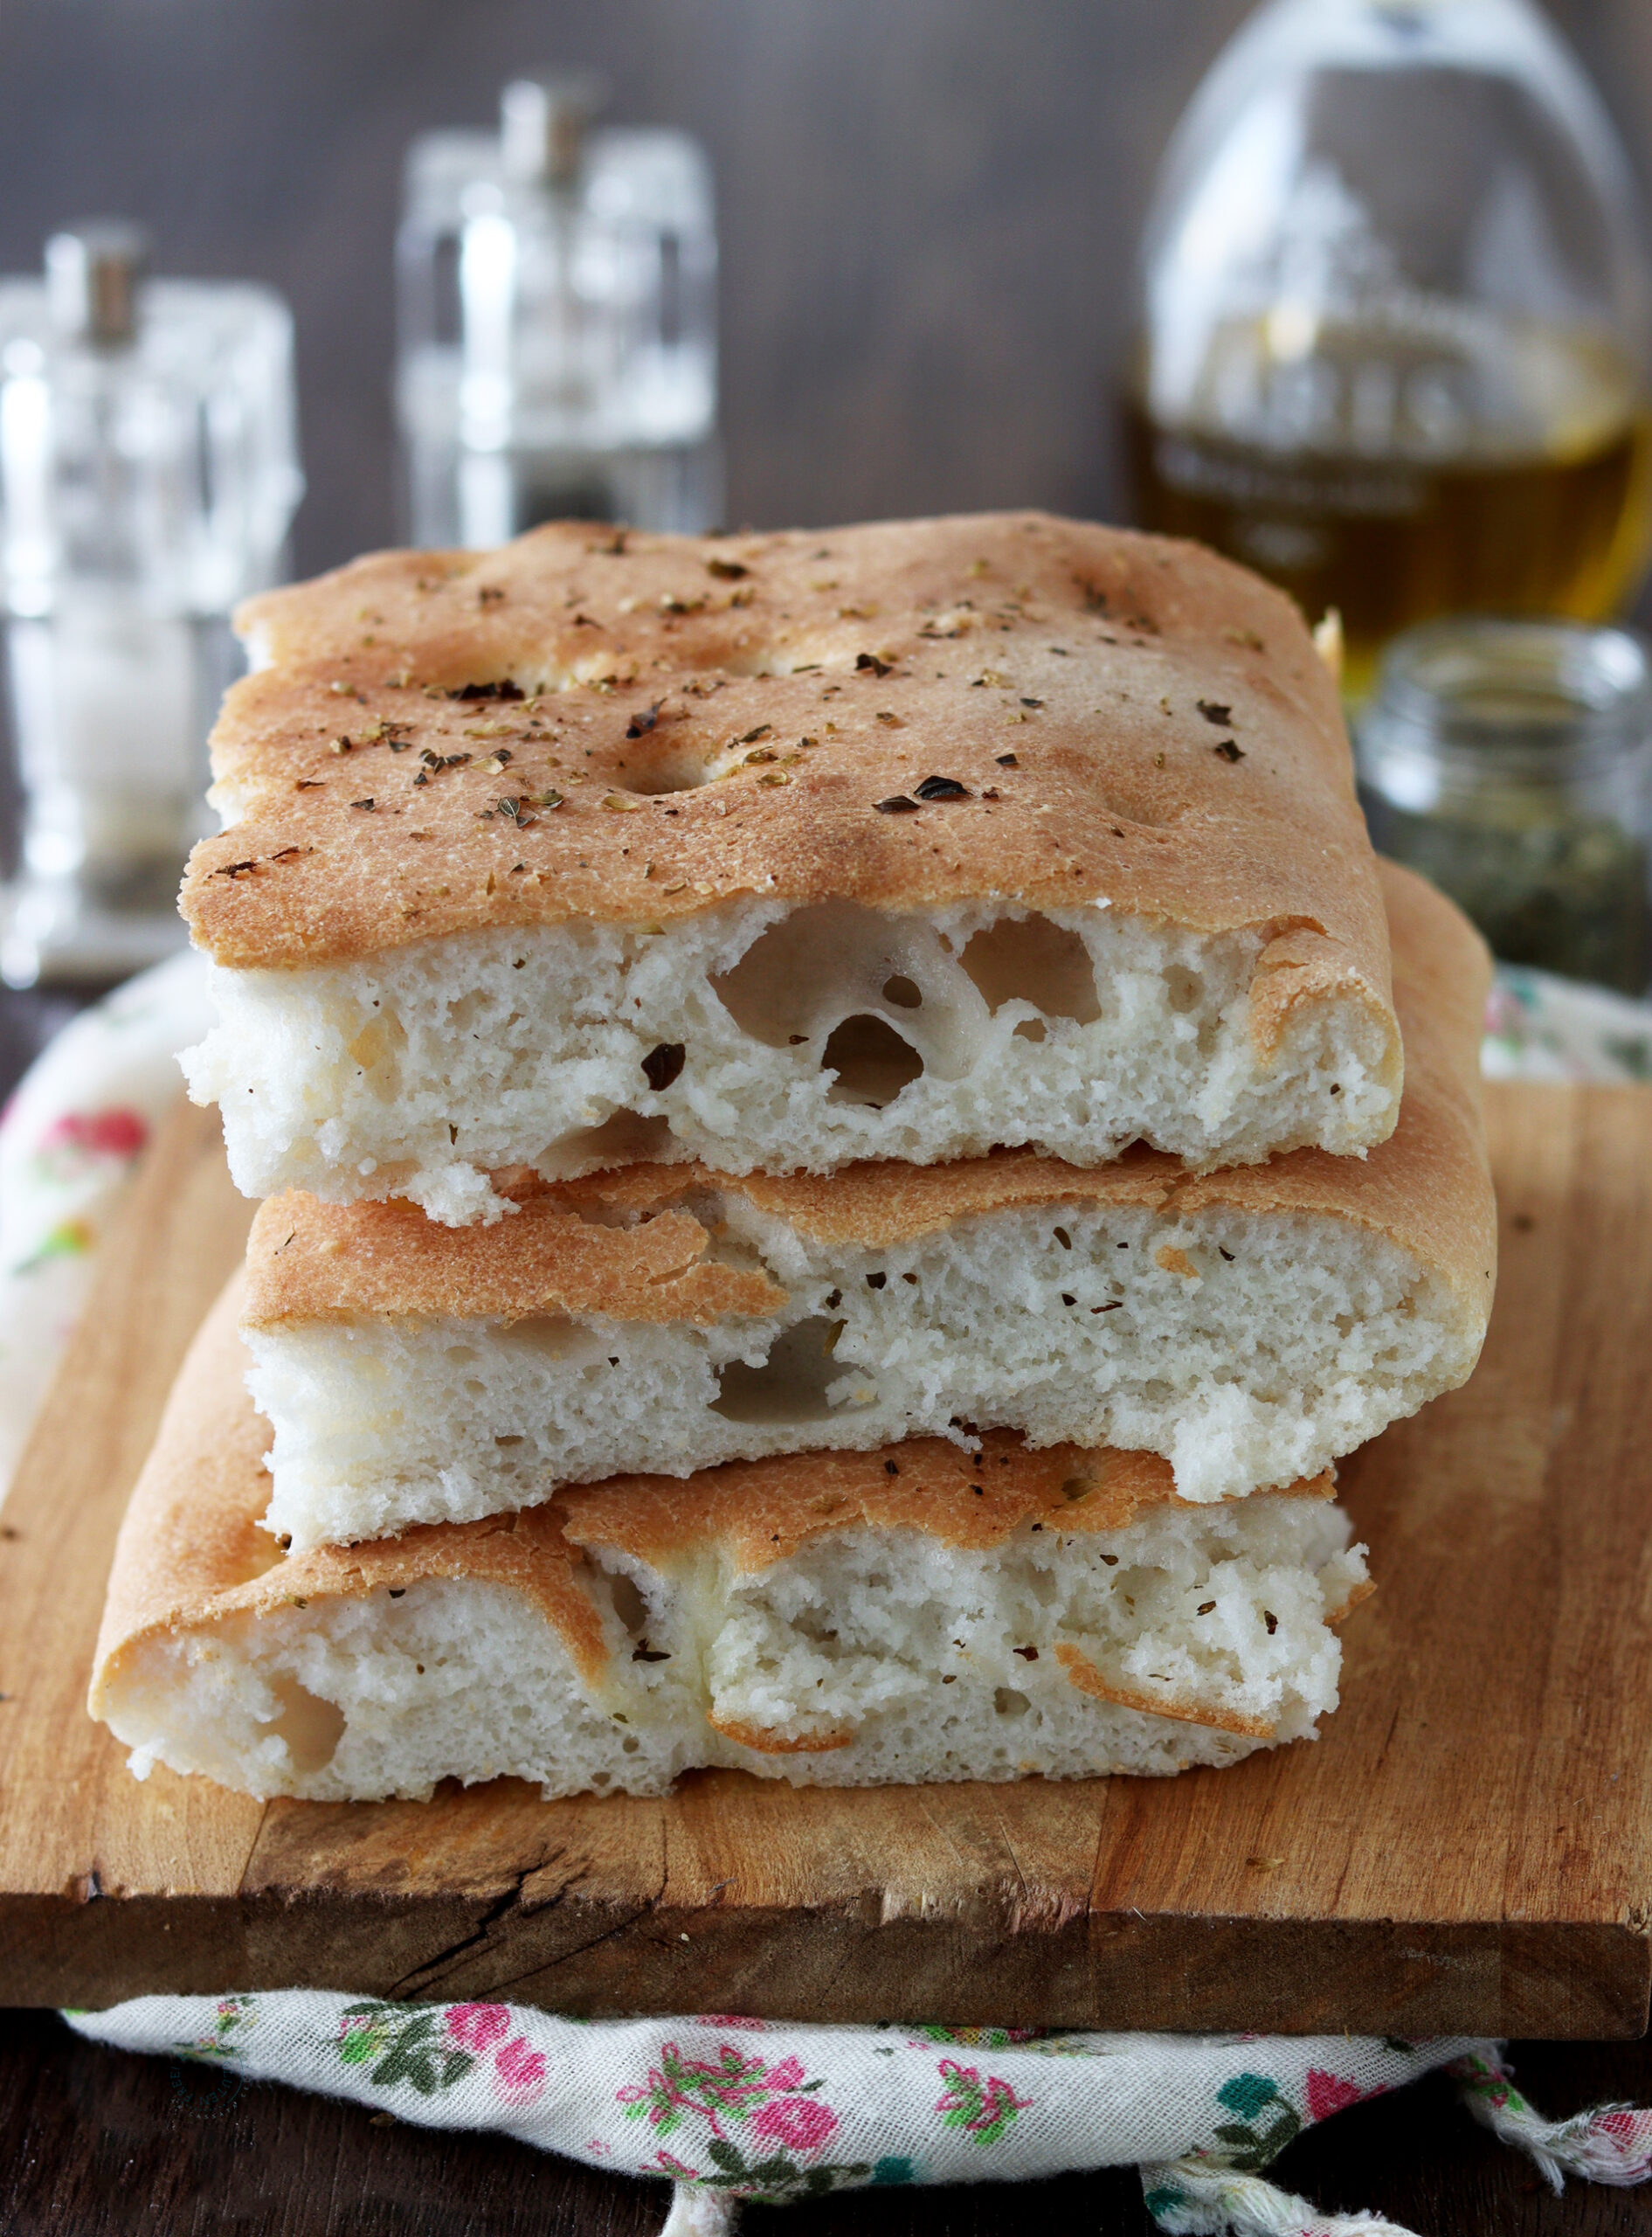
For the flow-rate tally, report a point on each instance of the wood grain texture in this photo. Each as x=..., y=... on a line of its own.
x=1467, y=1848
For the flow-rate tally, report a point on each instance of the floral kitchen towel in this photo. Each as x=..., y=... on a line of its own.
x=728, y=2109
x=69, y=1141
x=1541, y=1027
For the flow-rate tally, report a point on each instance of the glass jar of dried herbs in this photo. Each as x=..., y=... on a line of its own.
x=1510, y=762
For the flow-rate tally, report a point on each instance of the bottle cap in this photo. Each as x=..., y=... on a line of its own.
x=543, y=127
x=93, y=273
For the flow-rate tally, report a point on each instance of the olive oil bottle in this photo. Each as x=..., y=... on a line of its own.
x=1395, y=304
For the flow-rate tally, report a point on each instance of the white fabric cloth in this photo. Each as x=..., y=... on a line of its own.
x=70, y=1140
x=763, y=2108
x=730, y=2108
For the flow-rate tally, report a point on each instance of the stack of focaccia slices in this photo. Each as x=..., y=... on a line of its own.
x=840, y=1167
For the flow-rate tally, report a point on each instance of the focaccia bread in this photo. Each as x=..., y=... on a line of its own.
x=1251, y=1326
x=783, y=851
x=916, y=1614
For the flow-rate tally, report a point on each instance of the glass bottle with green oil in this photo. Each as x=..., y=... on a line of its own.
x=1394, y=323
x=1510, y=762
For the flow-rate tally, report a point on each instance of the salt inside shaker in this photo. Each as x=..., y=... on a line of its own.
x=148, y=473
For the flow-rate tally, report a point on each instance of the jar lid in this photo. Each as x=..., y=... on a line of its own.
x=1528, y=694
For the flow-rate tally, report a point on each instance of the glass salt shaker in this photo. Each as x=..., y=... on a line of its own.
x=1510, y=762
x=1394, y=348
x=557, y=300
x=148, y=475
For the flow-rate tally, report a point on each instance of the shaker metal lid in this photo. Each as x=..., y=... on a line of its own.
x=93, y=273
x=543, y=126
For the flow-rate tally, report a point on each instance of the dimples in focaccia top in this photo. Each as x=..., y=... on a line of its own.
x=781, y=851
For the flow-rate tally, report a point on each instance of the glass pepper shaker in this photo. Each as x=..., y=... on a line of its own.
x=557, y=357
x=1512, y=763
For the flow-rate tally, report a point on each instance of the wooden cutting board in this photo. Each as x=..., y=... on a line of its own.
x=1467, y=1849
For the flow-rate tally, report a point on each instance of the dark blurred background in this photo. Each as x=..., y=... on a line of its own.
x=928, y=208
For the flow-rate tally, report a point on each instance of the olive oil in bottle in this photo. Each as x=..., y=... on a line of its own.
x=1404, y=480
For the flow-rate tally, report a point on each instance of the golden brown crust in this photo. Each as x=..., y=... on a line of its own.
x=1082, y=1672
x=764, y=1742
x=310, y=1261
x=1428, y=1187
x=760, y=1512
x=1131, y=718
x=1356, y=1595
x=190, y=1552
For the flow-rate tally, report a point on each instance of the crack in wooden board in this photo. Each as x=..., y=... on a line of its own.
x=1468, y=1848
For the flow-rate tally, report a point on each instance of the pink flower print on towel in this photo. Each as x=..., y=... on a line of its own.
x=985, y=2110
